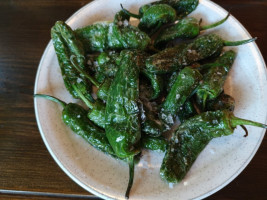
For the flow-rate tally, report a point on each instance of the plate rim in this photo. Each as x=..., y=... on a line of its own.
x=102, y=195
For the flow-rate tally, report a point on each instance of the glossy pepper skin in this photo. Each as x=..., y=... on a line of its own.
x=122, y=122
x=191, y=138
x=122, y=126
x=67, y=45
x=186, y=82
x=152, y=17
x=75, y=117
x=186, y=111
x=110, y=36
x=109, y=62
x=214, y=79
x=158, y=144
x=174, y=59
x=187, y=28
x=182, y=7
x=222, y=102
x=156, y=16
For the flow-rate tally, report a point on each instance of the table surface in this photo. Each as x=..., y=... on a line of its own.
x=27, y=171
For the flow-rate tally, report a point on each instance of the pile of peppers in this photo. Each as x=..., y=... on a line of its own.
x=146, y=83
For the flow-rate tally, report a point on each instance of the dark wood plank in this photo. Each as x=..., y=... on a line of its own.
x=25, y=164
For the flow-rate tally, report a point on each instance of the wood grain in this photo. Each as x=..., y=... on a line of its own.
x=27, y=171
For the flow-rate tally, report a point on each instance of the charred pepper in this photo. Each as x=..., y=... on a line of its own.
x=186, y=82
x=158, y=144
x=110, y=36
x=192, y=137
x=187, y=28
x=214, y=79
x=66, y=45
x=153, y=17
x=173, y=59
x=122, y=122
x=75, y=117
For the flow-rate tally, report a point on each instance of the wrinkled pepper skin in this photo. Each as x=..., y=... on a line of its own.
x=107, y=63
x=150, y=124
x=156, y=83
x=102, y=92
x=203, y=47
x=186, y=82
x=186, y=111
x=120, y=18
x=214, y=79
x=109, y=36
x=182, y=7
x=65, y=45
x=191, y=138
x=185, y=28
x=155, y=16
x=222, y=102
x=122, y=122
x=75, y=117
x=158, y=144
x=173, y=59
x=97, y=114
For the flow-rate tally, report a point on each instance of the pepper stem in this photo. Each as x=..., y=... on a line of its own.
x=88, y=103
x=237, y=43
x=235, y=121
x=205, y=96
x=62, y=103
x=214, y=24
x=131, y=177
x=80, y=70
x=129, y=13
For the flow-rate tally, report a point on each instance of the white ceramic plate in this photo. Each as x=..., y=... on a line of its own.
x=221, y=161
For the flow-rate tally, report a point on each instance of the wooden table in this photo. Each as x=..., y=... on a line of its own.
x=27, y=171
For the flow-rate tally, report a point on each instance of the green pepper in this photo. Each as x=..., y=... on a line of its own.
x=187, y=110
x=187, y=28
x=222, y=102
x=121, y=18
x=109, y=36
x=192, y=137
x=108, y=63
x=75, y=117
x=214, y=79
x=173, y=59
x=150, y=124
x=182, y=7
x=158, y=144
x=154, y=17
x=186, y=82
x=122, y=122
x=67, y=45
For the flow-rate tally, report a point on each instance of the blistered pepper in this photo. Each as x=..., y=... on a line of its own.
x=214, y=79
x=153, y=17
x=174, y=59
x=187, y=28
x=191, y=138
x=122, y=122
x=66, y=45
x=110, y=36
x=186, y=82
x=75, y=117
